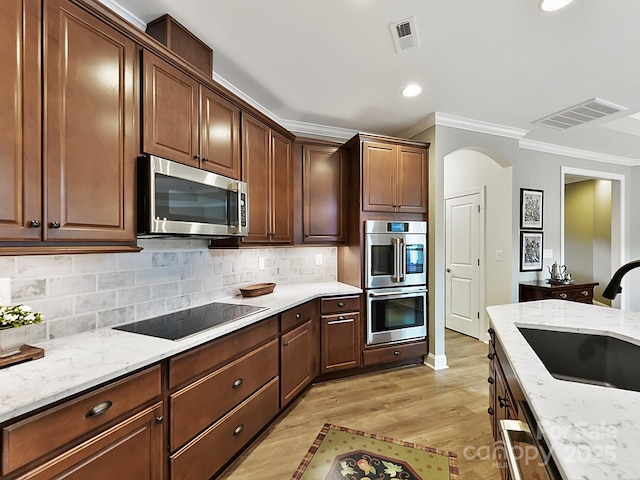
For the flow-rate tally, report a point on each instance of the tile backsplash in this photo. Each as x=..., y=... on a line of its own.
x=78, y=293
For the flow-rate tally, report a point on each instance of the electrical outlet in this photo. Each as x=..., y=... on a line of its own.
x=5, y=291
x=498, y=255
x=260, y=263
x=319, y=259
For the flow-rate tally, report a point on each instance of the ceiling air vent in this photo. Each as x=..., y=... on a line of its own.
x=579, y=114
x=405, y=35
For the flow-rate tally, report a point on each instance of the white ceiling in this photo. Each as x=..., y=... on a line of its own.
x=504, y=62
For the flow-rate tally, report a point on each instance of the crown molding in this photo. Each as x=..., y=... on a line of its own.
x=577, y=153
x=126, y=14
x=446, y=120
x=424, y=124
x=315, y=130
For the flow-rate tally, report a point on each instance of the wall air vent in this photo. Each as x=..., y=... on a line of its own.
x=579, y=114
x=405, y=34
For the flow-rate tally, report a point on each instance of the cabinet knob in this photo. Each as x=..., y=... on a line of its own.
x=585, y=293
x=34, y=223
x=490, y=356
x=55, y=224
x=396, y=352
x=205, y=159
x=563, y=296
x=196, y=156
x=286, y=344
x=237, y=383
x=298, y=315
x=238, y=430
x=490, y=380
x=99, y=409
x=502, y=401
x=159, y=419
x=491, y=331
x=341, y=304
x=341, y=317
x=490, y=411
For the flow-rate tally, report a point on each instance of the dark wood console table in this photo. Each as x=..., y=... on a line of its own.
x=576, y=292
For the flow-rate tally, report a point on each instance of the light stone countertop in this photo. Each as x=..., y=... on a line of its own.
x=79, y=362
x=592, y=431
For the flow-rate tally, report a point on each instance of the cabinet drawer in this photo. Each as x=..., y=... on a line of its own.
x=561, y=294
x=584, y=295
x=340, y=304
x=200, y=404
x=394, y=353
x=212, y=449
x=203, y=359
x=40, y=434
x=298, y=316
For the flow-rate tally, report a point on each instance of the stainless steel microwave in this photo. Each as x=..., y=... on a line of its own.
x=178, y=200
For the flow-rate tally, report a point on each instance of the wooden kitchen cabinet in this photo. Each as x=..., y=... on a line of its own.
x=394, y=178
x=323, y=205
x=340, y=334
x=299, y=350
x=188, y=122
x=80, y=430
x=267, y=169
x=86, y=170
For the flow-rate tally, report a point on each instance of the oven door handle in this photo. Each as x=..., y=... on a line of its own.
x=396, y=259
x=397, y=294
x=507, y=426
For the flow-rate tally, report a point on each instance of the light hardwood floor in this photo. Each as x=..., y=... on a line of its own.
x=444, y=409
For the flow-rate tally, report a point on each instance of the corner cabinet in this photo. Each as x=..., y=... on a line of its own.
x=321, y=205
x=267, y=169
x=188, y=122
x=86, y=170
x=340, y=333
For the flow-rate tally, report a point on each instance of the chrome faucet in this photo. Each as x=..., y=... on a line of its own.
x=614, y=287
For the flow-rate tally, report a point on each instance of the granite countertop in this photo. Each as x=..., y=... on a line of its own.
x=592, y=431
x=79, y=362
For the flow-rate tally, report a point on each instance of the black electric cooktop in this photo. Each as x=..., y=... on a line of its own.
x=181, y=324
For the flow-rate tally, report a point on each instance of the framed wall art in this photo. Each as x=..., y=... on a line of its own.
x=531, y=251
x=531, y=209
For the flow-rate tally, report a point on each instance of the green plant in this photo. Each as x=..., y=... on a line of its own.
x=18, y=315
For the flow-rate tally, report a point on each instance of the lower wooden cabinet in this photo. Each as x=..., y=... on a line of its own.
x=212, y=449
x=130, y=449
x=574, y=292
x=299, y=360
x=340, y=333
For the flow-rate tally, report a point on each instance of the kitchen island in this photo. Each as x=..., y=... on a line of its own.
x=80, y=362
x=592, y=431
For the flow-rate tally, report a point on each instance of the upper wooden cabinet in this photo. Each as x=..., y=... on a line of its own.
x=394, y=178
x=188, y=122
x=88, y=126
x=320, y=169
x=267, y=169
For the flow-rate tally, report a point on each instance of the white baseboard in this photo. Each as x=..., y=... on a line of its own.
x=437, y=362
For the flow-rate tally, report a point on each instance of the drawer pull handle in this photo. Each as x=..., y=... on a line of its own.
x=585, y=293
x=563, y=296
x=237, y=383
x=397, y=352
x=298, y=315
x=341, y=317
x=238, y=430
x=341, y=304
x=99, y=409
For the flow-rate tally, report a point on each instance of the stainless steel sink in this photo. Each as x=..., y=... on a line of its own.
x=587, y=358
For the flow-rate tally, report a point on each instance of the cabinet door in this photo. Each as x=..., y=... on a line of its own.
x=169, y=111
x=379, y=177
x=219, y=134
x=255, y=171
x=20, y=200
x=340, y=342
x=281, y=190
x=324, y=194
x=299, y=360
x=90, y=121
x=130, y=449
x=412, y=180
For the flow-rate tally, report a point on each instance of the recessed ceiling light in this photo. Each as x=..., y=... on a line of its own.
x=411, y=90
x=552, y=5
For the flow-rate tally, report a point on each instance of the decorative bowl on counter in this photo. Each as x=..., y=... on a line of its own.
x=257, y=289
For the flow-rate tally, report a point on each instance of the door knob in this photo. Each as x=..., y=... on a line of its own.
x=448, y=270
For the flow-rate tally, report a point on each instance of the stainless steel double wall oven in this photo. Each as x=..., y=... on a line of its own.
x=395, y=280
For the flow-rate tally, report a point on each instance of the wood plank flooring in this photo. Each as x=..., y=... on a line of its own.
x=444, y=409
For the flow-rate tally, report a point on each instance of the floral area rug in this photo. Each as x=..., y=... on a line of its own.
x=340, y=453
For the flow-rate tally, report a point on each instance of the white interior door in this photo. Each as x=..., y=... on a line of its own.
x=462, y=251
